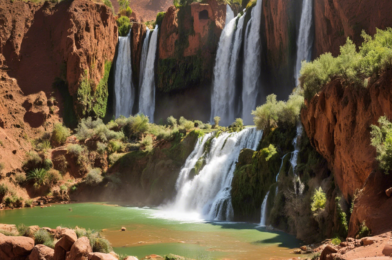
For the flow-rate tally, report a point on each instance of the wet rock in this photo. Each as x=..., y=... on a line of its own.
x=41, y=252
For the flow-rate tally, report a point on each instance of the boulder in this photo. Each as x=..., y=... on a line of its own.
x=41, y=252
x=387, y=251
x=59, y=253
x=366, y=241
x=101, y=256
x=15, y=247
x=80, y=249
x=123, y=229
x=67, y=238
x=388, y=192
x=9, y=228
x=328, y=250
x=131, y=258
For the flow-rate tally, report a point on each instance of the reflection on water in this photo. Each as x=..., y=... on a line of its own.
x=152, y=231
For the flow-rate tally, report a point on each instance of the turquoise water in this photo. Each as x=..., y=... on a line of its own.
x=147, y=233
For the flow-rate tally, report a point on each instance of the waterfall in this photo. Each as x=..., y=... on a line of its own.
x=222, y=100
x=208, y=193
x=298, y=185
x=124, y=89
x=263, y=217
x=143, y=59
x=281, y=165
x=251, y=69
x=305, y=37
x=147, y=90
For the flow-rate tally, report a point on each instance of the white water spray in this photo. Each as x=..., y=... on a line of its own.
x=251, y=70
x=147, y=91
x=208, y=193
x=222, y=100
x=263, y=218
x=298, y=185
x=305, y=37
x=124, y=89
x=143, y=59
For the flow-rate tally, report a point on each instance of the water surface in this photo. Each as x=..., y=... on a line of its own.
x=150, y=232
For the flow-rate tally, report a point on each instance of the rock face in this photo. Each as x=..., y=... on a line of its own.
x=73, y=37
x=337, y=121
x=138, y=35
x=336, y=20
x=80, y=249
x=41, y=252
x=15, y=247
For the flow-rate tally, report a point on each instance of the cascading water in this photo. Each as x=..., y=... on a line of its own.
x=147, y=91
x=251, y=69
x=222, y=99
x=305, y=37
x=143, y=59
x=124, y=89
x=208, y=193
x=263, y=218
x=298, y=185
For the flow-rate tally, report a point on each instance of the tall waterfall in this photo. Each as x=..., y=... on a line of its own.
x=305, y=37
x=251, y=69
x=208, y=193
x=143, y=58
x=263, y=218
x=147, y=91
x=124, y=89
x=222, y=100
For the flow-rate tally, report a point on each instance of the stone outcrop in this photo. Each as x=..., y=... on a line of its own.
x=80, y=250
x=336, y=20
x=73, y=37
x=101, y=256
x=337, y=121
x=41, y=252
x=15, y=247
x=138, y=35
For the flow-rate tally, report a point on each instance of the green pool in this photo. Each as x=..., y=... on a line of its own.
x=147, y=233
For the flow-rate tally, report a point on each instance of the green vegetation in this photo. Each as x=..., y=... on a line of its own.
x=94, y=177
x=123, y=4
x=147, y=143
x=43, y=237
x=268, y=152
x=278, y=113
x=342, y=219
x=124, y=25
x=3, y=189
x=60, y=134
x=319, y=200
x=381, y=139
x=39, y=176
x=336, y=241
x=352, y=68
x=216, y=120
x=108, y=3
x=91, y=98
x=159, y=19
x=364, y=231
x=1, y=168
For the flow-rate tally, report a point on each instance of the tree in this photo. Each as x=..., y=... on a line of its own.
x=123, y=4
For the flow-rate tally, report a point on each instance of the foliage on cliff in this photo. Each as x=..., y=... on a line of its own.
x=352, y=67
x=382, y=140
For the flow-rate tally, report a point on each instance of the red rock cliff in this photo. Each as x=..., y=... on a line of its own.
x=42, y=42
x=337, y=121
x=335, y=20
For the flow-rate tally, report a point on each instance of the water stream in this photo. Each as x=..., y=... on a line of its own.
x=263, y=218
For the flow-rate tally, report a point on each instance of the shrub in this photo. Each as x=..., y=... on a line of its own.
x=60, y=134
x=342, y=219
x=123, y=4
x=124, y=25
x=187, y=124
x=216, y=120
x=20, y=179
x=319, y=200
x=172, y=121
x=352, y=67
x=44, y=145
x=94, y=177
x=269, y=151
x=28, y=203
x=80, y=232
x=159, y=18
x=113, y=158
x=47, y=163
x=108, y=4
x=33, y=160
x=24, y=230
x=381, y=139
x=115, y=146
x=336, y=241
x=102, y=245
x=41, y=237
x=3, y=189
x=128, y=11
x=101, y=148
x=364, y=231
x=147, y=143
x=75, y=150
x=137, y=125
x=274, y=113
x=63, y=187
x=1, y=168
x=207, y=126
x=54, y=176
x=39, y=176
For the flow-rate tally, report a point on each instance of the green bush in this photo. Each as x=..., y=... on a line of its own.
x=42, y=237
x=108, y=3
x=113, y=158
x=20, y=179
x=3, y=189
x=217, y=120
x=96, y=129
x=128, y=11
x=54, y=176
x=47, y=163
x=159, y=18
x=33, y=160
x=319, y=200
x=24, y=230
x=342, y=219
x=187, y=124
x=80, y=232
x=115, y=146
x=268, y=152
x=137, y=125
x=364, y=231
x=60, y=134
x=101, y=148
x=336, y=241
x=352, y=67
x=102, y=245
x=74, y=150
x=381, y=139
x=124, y=25
x=44, y=145
x=123, y=4
x=274, y=113
x=63, y=187
x=28, y=203
x=146, y=143
x=172, y=121
x=94, y=177
x=39, y=176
